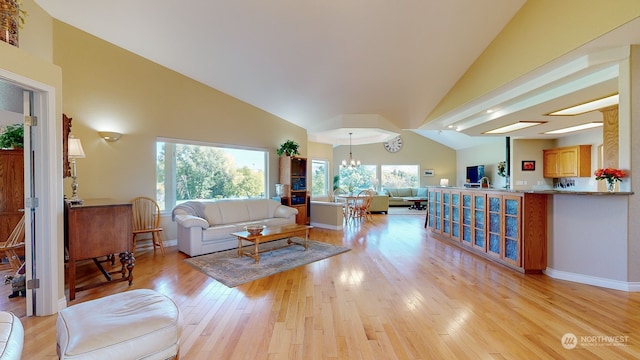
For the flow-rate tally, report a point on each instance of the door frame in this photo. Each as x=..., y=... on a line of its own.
x=47, y=184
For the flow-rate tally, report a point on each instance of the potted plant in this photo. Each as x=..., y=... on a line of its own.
x=288, y=148
x=12, y=17
x=12, y=137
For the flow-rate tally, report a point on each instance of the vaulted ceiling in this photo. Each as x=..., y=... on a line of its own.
x=328, y=66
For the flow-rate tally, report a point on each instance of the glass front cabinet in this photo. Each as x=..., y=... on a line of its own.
x=507, y=227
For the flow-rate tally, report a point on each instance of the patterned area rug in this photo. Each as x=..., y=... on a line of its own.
x=227, y=268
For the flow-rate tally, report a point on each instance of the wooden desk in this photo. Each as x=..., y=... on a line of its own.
x=99, y=229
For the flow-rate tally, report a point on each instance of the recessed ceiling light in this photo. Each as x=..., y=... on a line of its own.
x=590, y=106
x=574, y=128
x=513, y=127
x=489, y=111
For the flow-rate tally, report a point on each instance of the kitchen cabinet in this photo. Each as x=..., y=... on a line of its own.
x=569, y=161
x=505, y=227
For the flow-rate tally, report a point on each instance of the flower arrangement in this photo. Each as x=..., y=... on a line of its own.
x=611, y=175
x=502, y=168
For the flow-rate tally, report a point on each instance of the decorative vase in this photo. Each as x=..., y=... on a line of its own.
x=611, y=186
x=9, y=21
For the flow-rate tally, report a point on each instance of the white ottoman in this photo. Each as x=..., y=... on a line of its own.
x=136, y=324
x=11, y=336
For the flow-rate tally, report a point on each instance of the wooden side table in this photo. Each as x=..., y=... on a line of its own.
x=99, y=229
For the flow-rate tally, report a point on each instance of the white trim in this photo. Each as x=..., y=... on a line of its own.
x=592, y=280
x=48, y=187
x=325, y=226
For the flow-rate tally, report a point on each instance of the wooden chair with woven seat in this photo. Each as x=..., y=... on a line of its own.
x=146, y=220
x=359, y=209
x=13, y=243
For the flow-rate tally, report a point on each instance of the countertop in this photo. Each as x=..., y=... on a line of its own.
x=543, y=192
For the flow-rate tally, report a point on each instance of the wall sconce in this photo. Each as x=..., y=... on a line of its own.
x=109, y=136
x=444, y=182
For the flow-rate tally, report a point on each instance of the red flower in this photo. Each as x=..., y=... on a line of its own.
x=610, y=174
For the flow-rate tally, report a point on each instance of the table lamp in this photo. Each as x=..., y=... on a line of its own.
x=444, y=182
x=74, y=152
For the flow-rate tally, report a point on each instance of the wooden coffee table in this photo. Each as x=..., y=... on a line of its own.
x=417, y=202
x=270, y=234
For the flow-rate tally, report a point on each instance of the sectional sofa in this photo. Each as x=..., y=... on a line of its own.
x=398, y=195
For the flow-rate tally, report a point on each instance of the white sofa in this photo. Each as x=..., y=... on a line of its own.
x=206, y=226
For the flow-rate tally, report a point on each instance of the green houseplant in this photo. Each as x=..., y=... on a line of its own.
x=288, y=148
x=12, y=137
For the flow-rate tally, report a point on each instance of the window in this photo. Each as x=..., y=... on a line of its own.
x=397, y=176
x=360, y=178
x=319, y=177
x=189, y=171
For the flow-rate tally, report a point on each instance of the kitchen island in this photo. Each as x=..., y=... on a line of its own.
x=572, y=235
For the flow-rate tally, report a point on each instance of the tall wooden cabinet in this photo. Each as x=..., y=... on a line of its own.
x=11, y=190
x=293, y=175
x=509, y=228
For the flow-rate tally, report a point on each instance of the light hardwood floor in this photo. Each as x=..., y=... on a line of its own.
x=398, y=294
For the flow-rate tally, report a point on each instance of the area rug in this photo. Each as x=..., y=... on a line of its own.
x=231, y=270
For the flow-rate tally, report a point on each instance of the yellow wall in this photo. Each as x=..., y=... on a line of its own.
x=36, y=35
x=416, y=150
x=107, y=88
x=540, y=32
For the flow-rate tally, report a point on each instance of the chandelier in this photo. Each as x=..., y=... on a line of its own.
x=350, y=163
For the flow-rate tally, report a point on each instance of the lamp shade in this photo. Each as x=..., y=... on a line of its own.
x=75, y=150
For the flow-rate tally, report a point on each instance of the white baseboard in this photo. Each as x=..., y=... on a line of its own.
x=326, y=226
x=593, y=280
x=62, y=303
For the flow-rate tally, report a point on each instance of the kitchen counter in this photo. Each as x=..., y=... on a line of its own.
x=543, y=192
x=584, y=234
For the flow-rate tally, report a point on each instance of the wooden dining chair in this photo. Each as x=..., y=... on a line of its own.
x=360, y=208
x=13, y=243
x=146, y=220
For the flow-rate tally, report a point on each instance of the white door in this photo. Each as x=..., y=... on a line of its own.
x=30, y=200
x=43, y=181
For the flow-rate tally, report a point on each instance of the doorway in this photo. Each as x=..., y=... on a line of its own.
x=42, y=190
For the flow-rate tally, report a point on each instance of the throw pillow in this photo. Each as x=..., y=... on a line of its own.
x=422, y=192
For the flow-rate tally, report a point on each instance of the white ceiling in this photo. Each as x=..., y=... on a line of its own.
x=369, y=67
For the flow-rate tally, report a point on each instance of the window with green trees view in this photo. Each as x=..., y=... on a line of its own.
x=398, y=176
x=360, y=178
x=319, y=177
x=195, y=171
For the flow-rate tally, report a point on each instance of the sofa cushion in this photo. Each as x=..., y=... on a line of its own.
x=218, y=232
x=234, y=211
x=403, y=192
x=422, y=192
x=212, y=212
x=258, y=209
